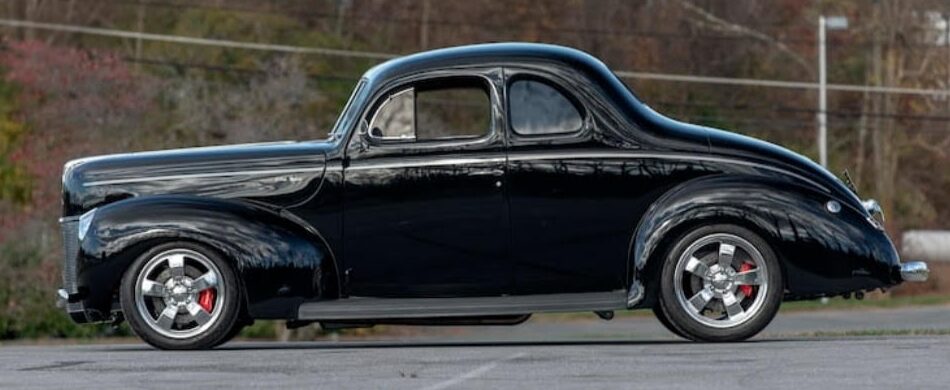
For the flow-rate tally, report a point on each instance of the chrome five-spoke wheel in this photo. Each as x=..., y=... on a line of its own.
x=178, y=293
x=181, y=295
x=719, y=283
x=721, y=280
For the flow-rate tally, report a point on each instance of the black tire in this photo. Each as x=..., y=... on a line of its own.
x=224, y=326
x=683, y=323
x=661, y=316
x=235, y=330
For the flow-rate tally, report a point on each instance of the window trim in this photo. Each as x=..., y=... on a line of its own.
x=410, y=83
x=523, y=75
x=389, y=98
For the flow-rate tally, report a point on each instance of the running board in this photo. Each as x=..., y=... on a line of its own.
x=359, y=308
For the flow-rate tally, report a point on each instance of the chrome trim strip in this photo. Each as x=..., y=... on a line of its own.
x=356, y=166
x=202, y=175
x=389, y=308
x=578, y=155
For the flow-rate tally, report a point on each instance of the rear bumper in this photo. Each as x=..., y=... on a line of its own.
x=914, y=271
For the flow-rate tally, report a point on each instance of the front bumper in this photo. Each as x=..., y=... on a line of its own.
x=914, y=271
x=75, y=308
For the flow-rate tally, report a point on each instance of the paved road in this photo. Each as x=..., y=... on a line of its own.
x=630, y=352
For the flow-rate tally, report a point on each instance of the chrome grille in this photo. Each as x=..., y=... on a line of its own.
x=70, y=254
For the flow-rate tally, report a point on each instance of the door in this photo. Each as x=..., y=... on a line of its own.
x=425, y=212
x=572, y=211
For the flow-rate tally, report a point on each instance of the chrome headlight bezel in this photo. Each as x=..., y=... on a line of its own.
x=875, y=213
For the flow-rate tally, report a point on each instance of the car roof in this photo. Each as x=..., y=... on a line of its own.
x=512, y=52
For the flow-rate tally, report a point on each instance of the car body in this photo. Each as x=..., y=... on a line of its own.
x=468, y=185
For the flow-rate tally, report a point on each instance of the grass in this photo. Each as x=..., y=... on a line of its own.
x=877, y=333
x=871, y=303
x=879, y=302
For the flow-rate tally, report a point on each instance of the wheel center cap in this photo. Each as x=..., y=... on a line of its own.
x=179, y=294
x=720, y=280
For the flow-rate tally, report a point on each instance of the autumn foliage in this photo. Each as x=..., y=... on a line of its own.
x=64, y=96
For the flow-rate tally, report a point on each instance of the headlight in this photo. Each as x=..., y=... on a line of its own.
x=872, y=207
x=85, y=221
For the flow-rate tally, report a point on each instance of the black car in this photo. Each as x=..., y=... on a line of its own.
x=470, y=185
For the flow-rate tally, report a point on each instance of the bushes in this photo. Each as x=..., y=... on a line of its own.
x=59, y=103
x=28, y=282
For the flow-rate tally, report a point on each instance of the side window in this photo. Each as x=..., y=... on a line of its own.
x=536, y=108
x=394, y=119
x=434, y=110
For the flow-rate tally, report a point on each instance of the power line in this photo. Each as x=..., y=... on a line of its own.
x=661, y=103
x=195, y=41
x=779, y=83
x=385, y=56
x=792, y=109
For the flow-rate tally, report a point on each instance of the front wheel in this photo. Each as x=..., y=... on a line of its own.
x=181, y=295
x=720, y=283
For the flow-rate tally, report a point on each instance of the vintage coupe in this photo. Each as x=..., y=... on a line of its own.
x=470, y=185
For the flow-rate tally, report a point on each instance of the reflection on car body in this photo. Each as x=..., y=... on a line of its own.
x=470, y=185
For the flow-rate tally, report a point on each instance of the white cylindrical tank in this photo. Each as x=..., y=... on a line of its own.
x=926, y=245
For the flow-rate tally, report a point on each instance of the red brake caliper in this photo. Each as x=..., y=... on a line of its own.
x=745, y=288
x=206, y=299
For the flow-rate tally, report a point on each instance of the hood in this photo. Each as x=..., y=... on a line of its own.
x=728, y=144
x=280, y=173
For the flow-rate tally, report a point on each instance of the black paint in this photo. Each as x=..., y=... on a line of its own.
x=503, y=214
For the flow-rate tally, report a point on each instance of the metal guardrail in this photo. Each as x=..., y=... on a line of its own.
x=926, y=245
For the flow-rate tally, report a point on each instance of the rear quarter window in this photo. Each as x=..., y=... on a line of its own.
x=537, y=108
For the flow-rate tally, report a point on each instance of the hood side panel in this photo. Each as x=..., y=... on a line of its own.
x=278, y=175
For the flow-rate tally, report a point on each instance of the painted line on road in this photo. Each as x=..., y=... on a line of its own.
x=481, y=370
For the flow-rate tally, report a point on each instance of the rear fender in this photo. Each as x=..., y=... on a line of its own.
x=822, y=253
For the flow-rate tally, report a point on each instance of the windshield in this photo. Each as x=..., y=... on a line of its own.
x=348, y=114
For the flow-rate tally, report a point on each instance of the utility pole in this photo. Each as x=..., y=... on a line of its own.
x=822, y=96
x=424, y=26
x=140, y=13
x=946, y=42
x=341, y=6
x=834, y=22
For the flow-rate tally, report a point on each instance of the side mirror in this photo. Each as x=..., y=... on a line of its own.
x=376, y=133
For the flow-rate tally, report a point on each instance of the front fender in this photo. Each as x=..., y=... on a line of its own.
x=280, y=262
x=822, y=253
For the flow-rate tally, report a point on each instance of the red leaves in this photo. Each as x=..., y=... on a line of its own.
x=74, y=102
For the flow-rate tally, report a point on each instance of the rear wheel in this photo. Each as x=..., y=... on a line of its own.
x=720, y=283
x=181, y=295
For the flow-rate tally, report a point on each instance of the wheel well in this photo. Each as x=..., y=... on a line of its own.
x=650, y=274
x=130, y=254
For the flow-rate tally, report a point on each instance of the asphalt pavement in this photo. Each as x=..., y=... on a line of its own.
x=628, y=352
